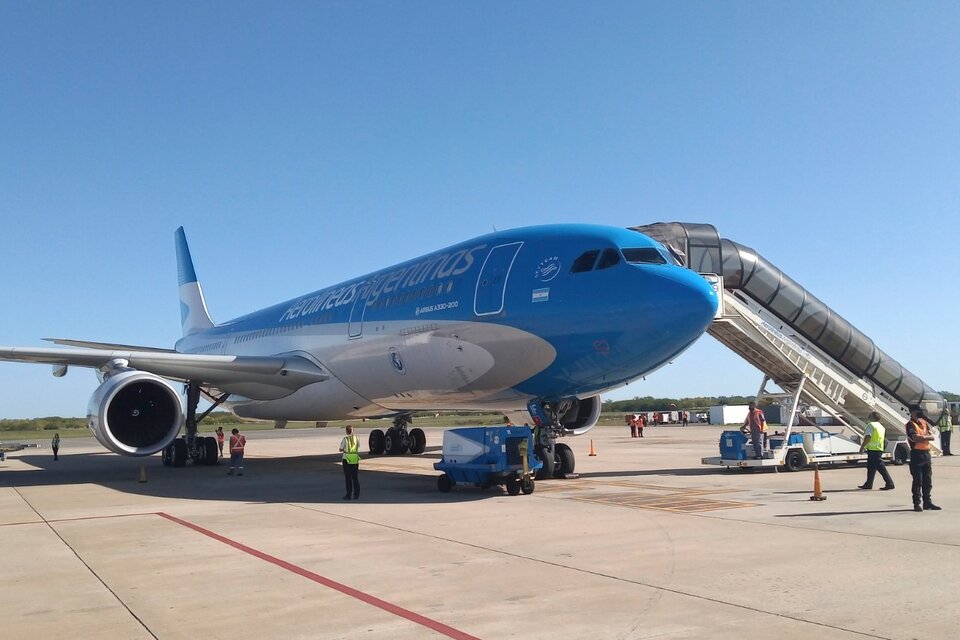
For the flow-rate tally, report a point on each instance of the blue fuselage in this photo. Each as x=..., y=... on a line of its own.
x=547, y=313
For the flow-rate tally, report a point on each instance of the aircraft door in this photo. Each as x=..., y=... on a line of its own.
x=357, y=311
x=492, y=281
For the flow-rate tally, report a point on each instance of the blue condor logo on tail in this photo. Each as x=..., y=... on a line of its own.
x=436, y=267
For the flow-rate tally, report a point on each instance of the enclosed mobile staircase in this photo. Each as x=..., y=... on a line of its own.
x=807, y=349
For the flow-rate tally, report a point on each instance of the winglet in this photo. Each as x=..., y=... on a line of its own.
x=194, y=316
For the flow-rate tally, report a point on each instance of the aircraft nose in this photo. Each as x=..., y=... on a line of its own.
x=693, y=306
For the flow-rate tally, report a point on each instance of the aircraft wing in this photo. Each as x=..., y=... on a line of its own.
x=110, y=346
x=256, y=377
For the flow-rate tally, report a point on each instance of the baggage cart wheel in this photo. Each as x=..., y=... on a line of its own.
x=794, y=461
x=901, y=454
x=527, y=486
x=513, y=486
x=444, y=483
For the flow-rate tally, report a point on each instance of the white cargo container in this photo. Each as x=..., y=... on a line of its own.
x=728, y=414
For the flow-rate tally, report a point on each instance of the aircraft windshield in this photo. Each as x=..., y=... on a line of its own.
x=644, y=255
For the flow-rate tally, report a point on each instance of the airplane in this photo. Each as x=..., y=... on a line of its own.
x=540, y=319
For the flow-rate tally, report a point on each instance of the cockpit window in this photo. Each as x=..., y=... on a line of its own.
x=585, y=261
x=609, y=258
x=645, y=255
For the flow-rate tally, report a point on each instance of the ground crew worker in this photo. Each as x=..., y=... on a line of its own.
x=220, y=440
x=237, y=443
x=918, y=434
x=757, y=424
x=55, y=445
x=873, y=443
x=631, y=420
x=946, y=430
x=350, y=447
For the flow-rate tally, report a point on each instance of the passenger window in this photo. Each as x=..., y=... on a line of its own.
x=585, y=261
x=645, y=255
x=609, y=258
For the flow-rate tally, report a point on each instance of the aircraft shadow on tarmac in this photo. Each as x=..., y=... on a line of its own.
x=821, y=514
x=314, y=479
x=690, y=471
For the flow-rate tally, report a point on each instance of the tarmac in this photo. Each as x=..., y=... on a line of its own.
x=646, y=543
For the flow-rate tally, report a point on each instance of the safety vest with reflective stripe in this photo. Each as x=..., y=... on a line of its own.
x=875, y=443
x=351, y=450
x=922, y=430
x=236, y=443
x=945, y=424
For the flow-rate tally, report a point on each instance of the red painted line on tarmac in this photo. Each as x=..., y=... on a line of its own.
x=396, y=610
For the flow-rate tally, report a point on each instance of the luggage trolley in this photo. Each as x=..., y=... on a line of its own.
x=488, y=456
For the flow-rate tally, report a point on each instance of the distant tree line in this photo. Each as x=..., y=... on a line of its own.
x=634, y=405
x=56, y=423
x=649, y=403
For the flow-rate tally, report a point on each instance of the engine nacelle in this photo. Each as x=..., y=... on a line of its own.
x=582, y=417
x=135, y=413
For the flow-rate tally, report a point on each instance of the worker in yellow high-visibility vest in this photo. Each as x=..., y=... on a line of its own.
x=946, y=430
x=874, y=443
x=350, y=447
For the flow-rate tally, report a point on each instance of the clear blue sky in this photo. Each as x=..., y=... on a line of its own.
x=301, y=143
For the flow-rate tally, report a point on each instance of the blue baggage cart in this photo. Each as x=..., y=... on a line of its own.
x=488, y=456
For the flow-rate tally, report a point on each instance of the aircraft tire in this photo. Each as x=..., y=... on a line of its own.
x=178, y=450
x=565, y=462
x=376, y=442
x=211, y=453
x=393, y=442
x=549, y=462
x=418, y=441
x=513, y=486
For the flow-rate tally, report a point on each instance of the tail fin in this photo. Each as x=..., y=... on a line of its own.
x=193, y=309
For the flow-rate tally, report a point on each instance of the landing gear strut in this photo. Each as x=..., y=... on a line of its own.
x=558, y=459
x=397, y=440
x=202, y=450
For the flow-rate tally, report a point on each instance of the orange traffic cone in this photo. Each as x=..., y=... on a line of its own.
x=817, y=492
x=143, y=474
x=593, y=451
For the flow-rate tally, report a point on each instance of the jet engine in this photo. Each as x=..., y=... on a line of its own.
x=581, y=416
x=135, y=413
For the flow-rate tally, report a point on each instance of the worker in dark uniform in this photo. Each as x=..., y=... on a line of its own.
x=55, y=445
x=918, y=434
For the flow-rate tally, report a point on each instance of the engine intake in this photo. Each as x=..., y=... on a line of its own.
x=135, y=413
x=582, y=416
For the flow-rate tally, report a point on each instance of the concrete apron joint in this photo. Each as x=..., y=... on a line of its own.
x=84, y=563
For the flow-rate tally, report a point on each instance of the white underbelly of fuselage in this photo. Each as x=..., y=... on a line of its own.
x=403, y=366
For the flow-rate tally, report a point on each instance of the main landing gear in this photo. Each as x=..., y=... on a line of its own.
x=398, y=440
x=202, y=450
x=558, y=459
